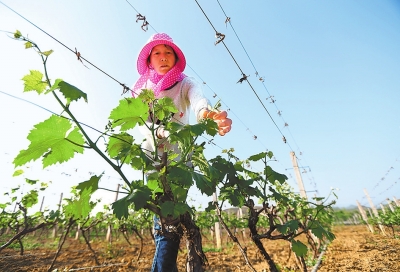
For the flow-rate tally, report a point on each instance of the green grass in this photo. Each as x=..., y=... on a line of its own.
x=211, y=249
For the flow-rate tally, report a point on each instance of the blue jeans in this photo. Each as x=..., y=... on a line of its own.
x=166, y=251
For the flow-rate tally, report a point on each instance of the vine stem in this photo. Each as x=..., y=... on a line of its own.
x=62, y=239
x=141, y=242
x=89, y=246
x=234, y=239
x=91, y=144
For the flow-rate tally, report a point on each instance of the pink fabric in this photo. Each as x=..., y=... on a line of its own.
x=159, y=82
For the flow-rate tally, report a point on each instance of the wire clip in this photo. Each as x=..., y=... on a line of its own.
x=220, y=37
x=144, y=24
x=242, y=79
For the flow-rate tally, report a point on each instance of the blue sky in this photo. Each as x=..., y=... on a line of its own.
x=332, y=68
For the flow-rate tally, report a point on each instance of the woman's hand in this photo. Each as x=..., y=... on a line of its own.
x=222, y=120
x=161, y=133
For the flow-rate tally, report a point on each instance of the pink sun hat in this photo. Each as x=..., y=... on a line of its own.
x=156, y=39
x=159, y=82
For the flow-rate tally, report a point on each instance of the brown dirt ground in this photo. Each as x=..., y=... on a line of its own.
x=354, y=249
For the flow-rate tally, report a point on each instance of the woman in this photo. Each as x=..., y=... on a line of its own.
x=161, y=64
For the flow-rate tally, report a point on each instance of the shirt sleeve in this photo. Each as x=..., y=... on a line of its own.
x=195, y=96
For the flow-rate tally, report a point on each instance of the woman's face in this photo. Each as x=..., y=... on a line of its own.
x=162, y=58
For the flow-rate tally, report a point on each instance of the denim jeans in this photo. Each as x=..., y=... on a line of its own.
x=166, y=251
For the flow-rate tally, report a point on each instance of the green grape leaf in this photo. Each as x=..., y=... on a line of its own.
x=17, y=34
x=182, y=208
x=31, y=182
x=234, y=196
x=53, y=140
x=292, y=225
x=169, y=208
x=139, y=197
x=210, y=207
x=147, y=96
x=198, y=129
x=179, y=192
x=53, y=214
x=92, y=184
x=211, y=126
x=28, y=45
x=30, y=199
x=71, y=93
x=34, y=82
x=119, y=146
x=273, y=176
x=258, y=156
x=46, y=53
x=18, y=172
x=203, y=184
x=153, y=185
x=270, y=154
x=120, y=208
x=299, y=248
x=55, y=86
x=172, y=126
x=80, y=208
x=180, y=176
x=164, y=107
x=129, y=113
x=320, y=232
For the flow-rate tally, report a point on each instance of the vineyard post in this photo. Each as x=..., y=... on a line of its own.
x=239, y=216
x=41, y=204
x=390, y=204
x=364, y=216
x=217, y=226
x=356, y=219
x=370, y=213
x=374, y=210
x=77, y=231
x=303, y=193
x=108, y=236
x=383, y=208
x=298, y=176
x=40, y=210
x=55, y=225
x=396, y=201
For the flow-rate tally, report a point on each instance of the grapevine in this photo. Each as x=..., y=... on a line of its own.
x=167, y=177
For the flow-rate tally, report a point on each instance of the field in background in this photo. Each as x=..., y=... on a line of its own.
x=354, y=249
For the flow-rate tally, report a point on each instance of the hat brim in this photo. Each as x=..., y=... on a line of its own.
x=146, y=50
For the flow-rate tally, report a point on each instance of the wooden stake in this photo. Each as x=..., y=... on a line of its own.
x=77, y=231
x=374, y=210
x=364, y=216
x=108, y=236
x=390, y=204
x=383, y=208
x=40, y=210
x=217, y=226
x=55, y=225
x=41, y=204
x=396, y=201
x=239, y=216
x=370, y=213
x=298, y=176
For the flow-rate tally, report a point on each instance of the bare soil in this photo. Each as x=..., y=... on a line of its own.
x=354, y=249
